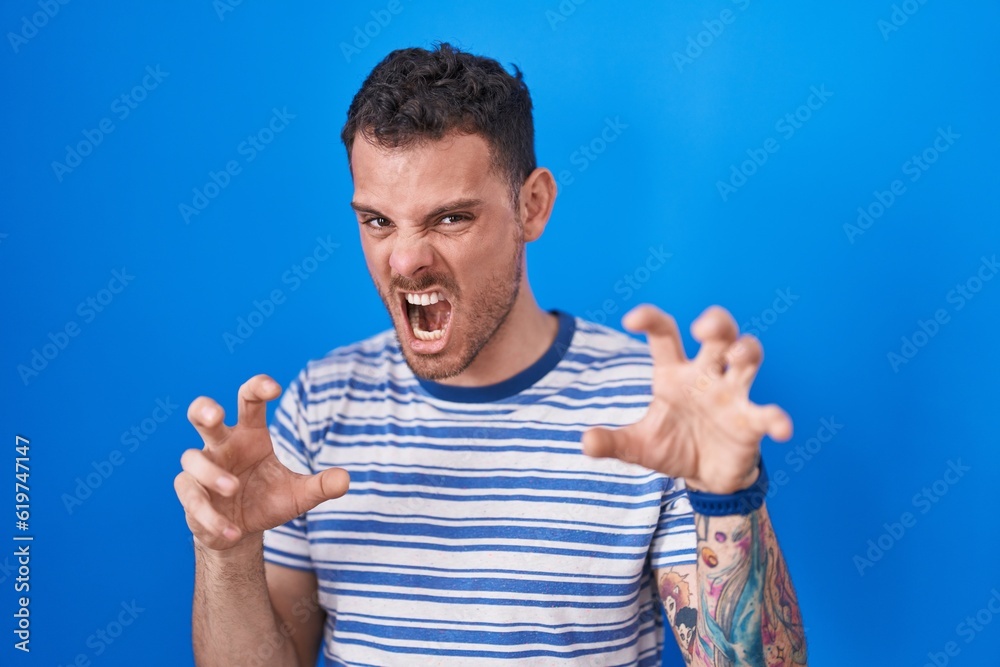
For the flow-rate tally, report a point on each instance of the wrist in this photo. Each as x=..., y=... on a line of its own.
x=744, y=502
x=249, y=547
x=748, y=481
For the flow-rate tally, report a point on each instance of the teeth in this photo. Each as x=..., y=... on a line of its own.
x=414, y=316
x=423, y=299
x=428, y=335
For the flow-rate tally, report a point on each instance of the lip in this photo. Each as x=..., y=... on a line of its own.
x=414, y=343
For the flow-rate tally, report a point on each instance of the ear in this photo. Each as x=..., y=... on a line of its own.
x=538, y=195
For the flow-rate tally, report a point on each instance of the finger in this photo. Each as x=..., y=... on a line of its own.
x=743, y=359
x=209, y=474
x=252, y=400
x=661, y=331
x=207, y=417
x=716, y=330
x=311, y=490
x=617, y=443
x=201, y=515
x=773, y=421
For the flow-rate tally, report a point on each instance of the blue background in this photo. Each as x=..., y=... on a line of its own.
x=688, y=106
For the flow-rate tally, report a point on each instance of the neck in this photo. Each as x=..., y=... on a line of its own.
x=521, y=340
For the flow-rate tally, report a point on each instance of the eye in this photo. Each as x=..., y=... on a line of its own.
x=377, y=223
x=453, y=219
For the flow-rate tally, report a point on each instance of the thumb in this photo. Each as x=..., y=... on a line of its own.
x=326, y=485
x=617, y=443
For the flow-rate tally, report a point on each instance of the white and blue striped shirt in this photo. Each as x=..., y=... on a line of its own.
x=475, y=531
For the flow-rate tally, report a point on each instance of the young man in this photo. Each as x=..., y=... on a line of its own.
x=477, y=528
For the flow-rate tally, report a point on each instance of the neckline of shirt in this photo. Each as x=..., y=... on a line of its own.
x=512, y=385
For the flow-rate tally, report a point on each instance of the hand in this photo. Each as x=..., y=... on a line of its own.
x=700, y=424
x=235, y=486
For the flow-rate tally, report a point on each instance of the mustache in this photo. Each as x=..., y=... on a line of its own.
x=399, y=283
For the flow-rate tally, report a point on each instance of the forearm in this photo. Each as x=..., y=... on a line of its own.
x=233, y=620
x=750, y=613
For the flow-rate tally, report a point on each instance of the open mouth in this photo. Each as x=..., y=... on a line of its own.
x=429, y=315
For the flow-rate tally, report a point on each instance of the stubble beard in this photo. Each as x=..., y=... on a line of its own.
x=481, y=318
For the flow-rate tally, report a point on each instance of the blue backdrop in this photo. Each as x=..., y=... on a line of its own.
x=826, y=171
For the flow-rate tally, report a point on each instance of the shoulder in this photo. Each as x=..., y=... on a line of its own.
x=601, y=347
x=370, y=362
x=602, y=367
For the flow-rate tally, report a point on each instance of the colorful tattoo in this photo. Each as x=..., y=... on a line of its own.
x=743, y=610
x=675, y=592
x=750, y=615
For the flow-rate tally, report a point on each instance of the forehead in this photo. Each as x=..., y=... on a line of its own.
x=424, y=174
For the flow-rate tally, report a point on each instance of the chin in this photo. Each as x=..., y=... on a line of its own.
x=449, y=359
x=432, y=369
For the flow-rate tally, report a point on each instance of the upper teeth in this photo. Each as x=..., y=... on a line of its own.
x=423, y=299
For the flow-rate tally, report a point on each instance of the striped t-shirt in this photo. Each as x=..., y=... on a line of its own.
x=475, y=531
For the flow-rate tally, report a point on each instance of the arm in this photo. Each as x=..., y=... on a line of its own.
x=235, y=618
x=741, y=606
x=233, y=490
x=751, y=613
x=294, y=598
x=702, y=427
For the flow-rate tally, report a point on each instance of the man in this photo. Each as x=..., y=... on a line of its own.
x=477, y=530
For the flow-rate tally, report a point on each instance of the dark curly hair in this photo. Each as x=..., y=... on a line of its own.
x=414, y=95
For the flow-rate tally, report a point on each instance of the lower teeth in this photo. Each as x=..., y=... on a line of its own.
x=428, y=335
x=419, y=333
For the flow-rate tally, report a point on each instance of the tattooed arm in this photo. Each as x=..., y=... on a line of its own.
x=737, y=606
x=702, y=426
x=678, y=588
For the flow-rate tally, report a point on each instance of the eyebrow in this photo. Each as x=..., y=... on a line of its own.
x=440, y=210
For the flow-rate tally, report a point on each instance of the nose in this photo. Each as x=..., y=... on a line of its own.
x=411, y=253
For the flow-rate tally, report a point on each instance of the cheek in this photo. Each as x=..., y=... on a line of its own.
x=497, y=240
x=468, y=261
x=492, y=258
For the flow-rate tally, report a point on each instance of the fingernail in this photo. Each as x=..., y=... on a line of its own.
x=230, y=533
x=226, y=484
x=207, y=413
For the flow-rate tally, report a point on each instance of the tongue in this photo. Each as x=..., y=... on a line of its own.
x=435, y=316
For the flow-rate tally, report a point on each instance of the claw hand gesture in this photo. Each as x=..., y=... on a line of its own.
x=701, y=424
x=235, y=486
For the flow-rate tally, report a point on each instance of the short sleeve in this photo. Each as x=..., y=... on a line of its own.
x=674, y=541
x=288, y=544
